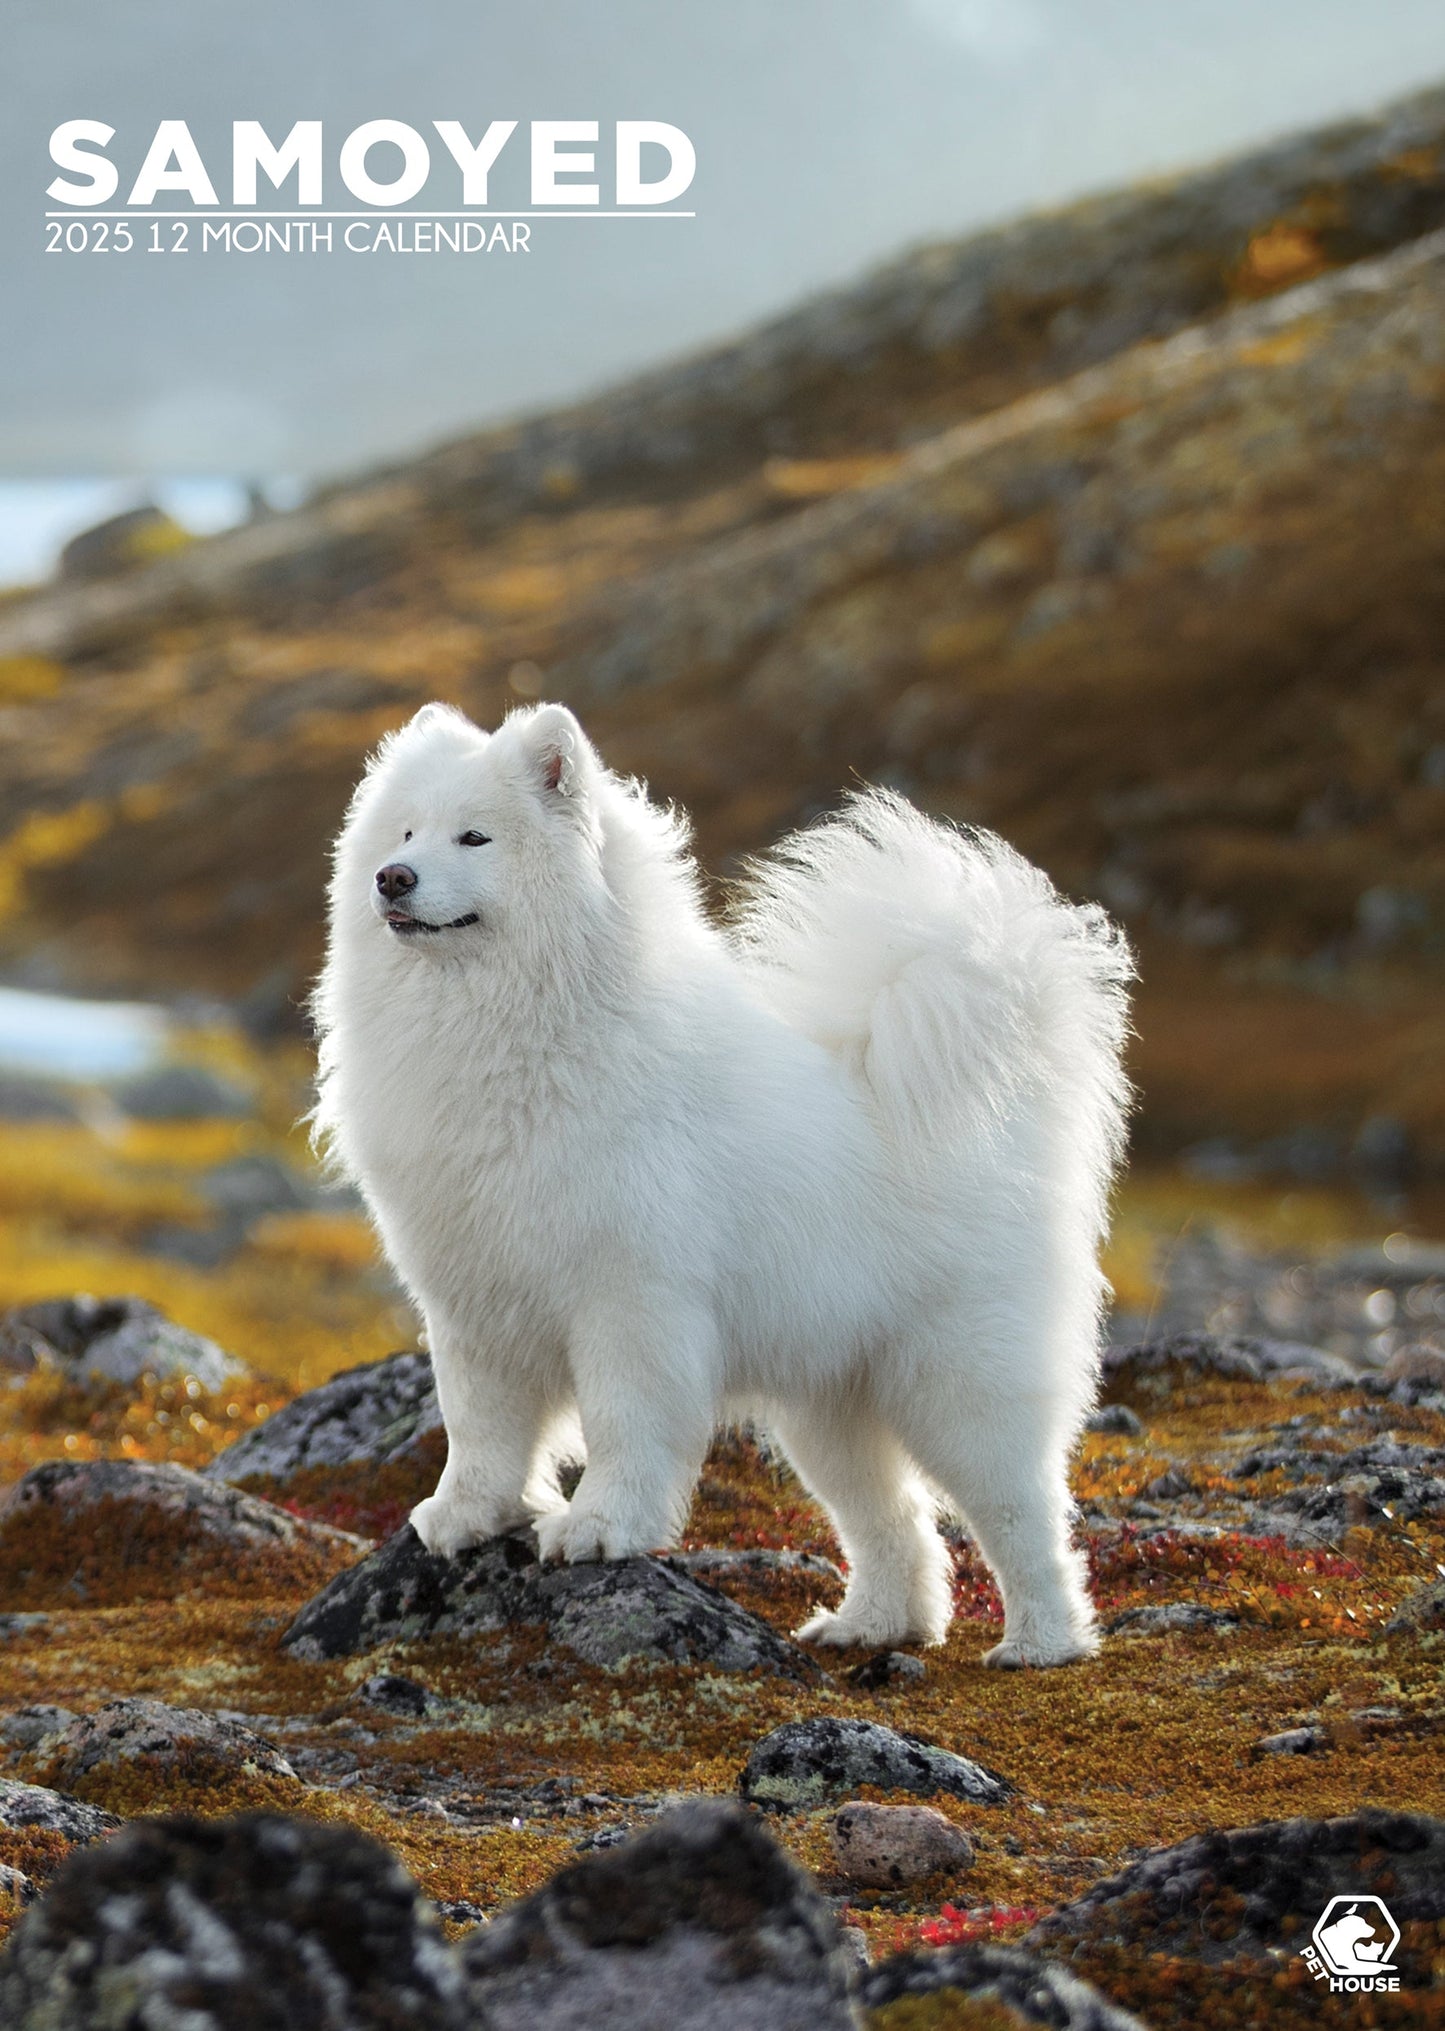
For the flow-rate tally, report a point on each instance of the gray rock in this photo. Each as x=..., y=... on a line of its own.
x=1379, y=1485
x=16, y=1887
x=120, y=543
x=225, y=1514
x=1271, y=1881
x=1362, y=1304
x=406, y=1697
x=196, y=1247
x=806, y=1763
x=855, y=1945
x=52, y=1812
x=461, y=1911
x=1168, y=1486
x=200, y=1516
x=21, y=1625
x=1414, y=1372
x=1150, y=1365
x=30, y=1726
x=261, y=1921
x=1421, y=1610
x=125, y=1730
x=1291, y=1742
x=753, y=1559
x=35, y=1100
x=250, y=1187
x=883, y=1847
x=1304, y=1464
x=701, y=1923
x=1383, y=1152
x=376, y=1413
x=887, y=1668
x=605, y=1837
x=111, y=1340
x=1034, y=1990
x=1158, y=1618
x=1115, y=1418
x=1388, y=1495
x=636, y=1608
x=182, y=1093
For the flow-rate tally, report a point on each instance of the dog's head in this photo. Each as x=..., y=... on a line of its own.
x=456, y=835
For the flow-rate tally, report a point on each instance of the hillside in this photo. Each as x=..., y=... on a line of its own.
x=1119, y=529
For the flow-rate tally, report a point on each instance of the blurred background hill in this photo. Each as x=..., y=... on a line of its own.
x=1120, y=529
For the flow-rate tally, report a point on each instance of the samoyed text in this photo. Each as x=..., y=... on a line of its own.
x=384, y=163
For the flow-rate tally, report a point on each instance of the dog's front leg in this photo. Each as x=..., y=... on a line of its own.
x=495, y=1411
x=645, y=1378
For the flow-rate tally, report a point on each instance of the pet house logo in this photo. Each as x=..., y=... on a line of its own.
x=1354, y=1940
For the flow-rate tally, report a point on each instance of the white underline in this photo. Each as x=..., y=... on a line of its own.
x=380, y=213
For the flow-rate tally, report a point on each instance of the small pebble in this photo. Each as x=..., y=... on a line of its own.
x=16, y=1888
x=855, y=1945
x=1117, y=1418
x=887, y=1667
x=1292, y=1742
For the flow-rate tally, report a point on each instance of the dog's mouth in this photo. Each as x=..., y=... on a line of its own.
x=406, y=926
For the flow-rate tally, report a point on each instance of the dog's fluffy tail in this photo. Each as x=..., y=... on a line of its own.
x=970, y=999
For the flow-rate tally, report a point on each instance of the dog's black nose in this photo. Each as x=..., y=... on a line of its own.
x=395, y=880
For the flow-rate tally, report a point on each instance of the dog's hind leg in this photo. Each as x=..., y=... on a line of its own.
x=1001, y=1456
x=496, y=1414
x=899, y=1569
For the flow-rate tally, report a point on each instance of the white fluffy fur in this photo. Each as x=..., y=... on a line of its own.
x=842, y=1166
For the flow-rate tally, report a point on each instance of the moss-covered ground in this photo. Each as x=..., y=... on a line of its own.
x=1145, y=1745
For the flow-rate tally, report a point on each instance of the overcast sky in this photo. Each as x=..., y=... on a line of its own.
x=830, y=134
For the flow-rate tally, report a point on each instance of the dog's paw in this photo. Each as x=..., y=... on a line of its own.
x=838, y=1627
x=1039, y=1655
x=582, y=1536
x=446, y=1525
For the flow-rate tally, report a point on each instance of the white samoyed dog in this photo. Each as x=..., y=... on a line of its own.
x=841, y=1164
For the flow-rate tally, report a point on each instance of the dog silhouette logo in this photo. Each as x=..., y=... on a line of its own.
x=1354, y=1941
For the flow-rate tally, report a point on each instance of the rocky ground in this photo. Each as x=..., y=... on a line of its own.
x=704, y=1822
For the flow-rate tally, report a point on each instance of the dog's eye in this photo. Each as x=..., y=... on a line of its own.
x=474, y=839
x=406, y=835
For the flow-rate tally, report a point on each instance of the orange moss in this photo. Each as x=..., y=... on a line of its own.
x=45, y=1416
x=1277, y=257
x=191, y=1781
x=111, y=1552
x=946, y=2010
x=1177, y=1994
x=372, y=1501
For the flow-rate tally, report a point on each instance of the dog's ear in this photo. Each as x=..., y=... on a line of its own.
x=432, y=720
x=556, y=755
x=433, y=717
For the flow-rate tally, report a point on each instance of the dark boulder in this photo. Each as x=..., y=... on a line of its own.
x=1255, y=1891
x=103, y=1531
x=806, y=1763
x=260, y=1923
x=700, y=1924
x=101, y=1340
x=375, y=1414
x=1032, y=1990
x=638, y=1608
x=1150, y=1368
x=52, y=1812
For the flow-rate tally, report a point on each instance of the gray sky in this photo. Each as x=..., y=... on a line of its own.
x=830, y=134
